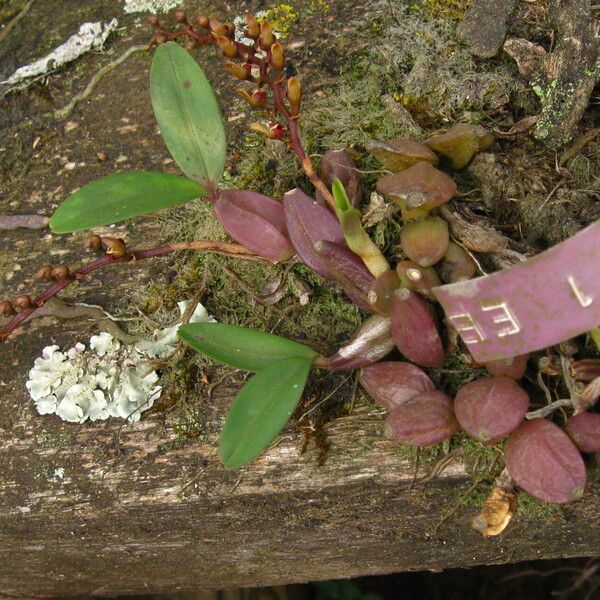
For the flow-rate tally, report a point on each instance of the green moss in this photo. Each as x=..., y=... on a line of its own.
x=528, y=506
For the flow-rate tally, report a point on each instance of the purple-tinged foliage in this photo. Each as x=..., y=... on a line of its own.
x=425, y=242
x=337, y=164
x=308, y=223
x=490, y=408
x=423, y=420
x=255, y=221
x=348, y=270
x=369, y=344
x=414, y=330
x=514, y=367
x=391, y=383
x=584, y=430
x=417, y=278
x=382, y=291
x=543, y=460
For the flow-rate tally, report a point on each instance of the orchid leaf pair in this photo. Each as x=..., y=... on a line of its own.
x=192, y=128
x=267, y=401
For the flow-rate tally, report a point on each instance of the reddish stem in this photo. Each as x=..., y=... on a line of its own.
x=224, y=248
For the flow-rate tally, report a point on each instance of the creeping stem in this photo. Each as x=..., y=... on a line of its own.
x=224, y=248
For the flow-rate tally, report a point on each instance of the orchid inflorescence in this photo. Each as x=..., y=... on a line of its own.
x=327, y=234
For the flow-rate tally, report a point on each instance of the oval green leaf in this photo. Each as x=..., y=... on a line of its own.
x=240, y=347
x=187, y=113
x=122, y=196
x=261, y=410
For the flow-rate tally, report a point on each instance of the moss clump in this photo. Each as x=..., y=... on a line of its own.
x=528, y=506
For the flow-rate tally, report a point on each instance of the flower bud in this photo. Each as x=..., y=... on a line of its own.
x=227, y=46
x=60, y=272
x=44, y=272
x=238, y=71
x=218, y=28
x=180, y=16
x=153, y=20
x=203, y=21
x=160, y=38
x=94, y=243
x=6, y=308
x=277, y=56
x=256, y=100
x=266, y=35
x=115, y=246
x=230, y=28
x=294, y=94
x=253, y=28
x=23, y=301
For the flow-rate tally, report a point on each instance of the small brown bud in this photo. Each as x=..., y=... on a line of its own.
x=160, y=38
x=203, y=21
x=227, y=46
x=256, y=100
x=153, y=20
x=266, y=35
x=101, y=156
x=253, y=28
x=294, y=94
x=23, y=301
x=115, y=246
x=277, y=56
x=94, y=243
x=60, y=272
x=6, y=308
x=238, y=71
x=230, y=27
x=180, y=16
x=44, y=272
x=218, y=28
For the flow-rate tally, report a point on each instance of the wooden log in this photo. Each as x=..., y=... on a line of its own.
x=109, y=508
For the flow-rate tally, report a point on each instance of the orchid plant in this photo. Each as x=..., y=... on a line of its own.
x=327, y=234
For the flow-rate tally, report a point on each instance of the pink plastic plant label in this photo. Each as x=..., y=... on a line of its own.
x=546, y=300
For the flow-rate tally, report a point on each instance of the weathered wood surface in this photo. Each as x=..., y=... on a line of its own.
x=108, y=509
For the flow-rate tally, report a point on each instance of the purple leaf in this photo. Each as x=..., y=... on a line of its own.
x=391, y=383
x=369, y=344
x=308, y=223
x=490, y=408
x=542, y=459
x=423, y=420
x=255, y=221
x=338, y=164
x=347, y=269
x=584, y=430
x=414, y=330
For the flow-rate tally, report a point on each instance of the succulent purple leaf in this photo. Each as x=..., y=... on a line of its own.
x=308, y=223
x=414, y=330
x=391, y=383
x=255, y=221
x=542, y=459
x=348, y=270
x=584, y=430
x=490, y=408
x=369, y=344
x=423, y=420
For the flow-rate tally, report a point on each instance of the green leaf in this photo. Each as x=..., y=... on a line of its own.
x=261, y=410
x=122, y=196
x=240, y=347
x=341, y=198
x=187, y=113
